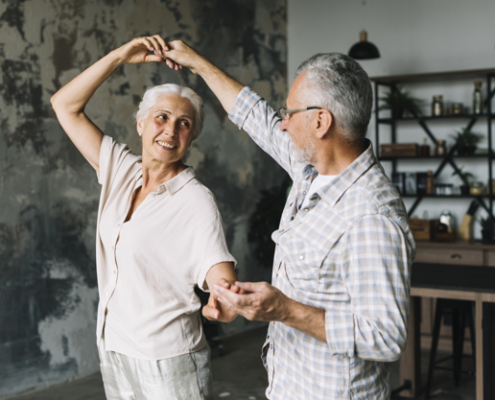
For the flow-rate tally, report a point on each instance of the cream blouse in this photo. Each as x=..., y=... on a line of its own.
x=148, y=266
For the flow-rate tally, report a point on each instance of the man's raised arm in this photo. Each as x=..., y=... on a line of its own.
x=223, y=86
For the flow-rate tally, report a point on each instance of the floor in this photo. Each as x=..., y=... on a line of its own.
x=239, y=375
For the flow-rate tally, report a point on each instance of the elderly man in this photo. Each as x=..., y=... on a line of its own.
x=338, y=303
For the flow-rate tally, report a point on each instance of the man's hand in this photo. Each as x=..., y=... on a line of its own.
x=214, y=311
x=260, y=301
x=138, y=51
x=183, y=55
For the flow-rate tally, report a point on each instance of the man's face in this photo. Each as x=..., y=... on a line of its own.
x=298, y=125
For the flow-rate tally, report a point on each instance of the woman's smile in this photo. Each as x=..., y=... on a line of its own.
x=168, y=146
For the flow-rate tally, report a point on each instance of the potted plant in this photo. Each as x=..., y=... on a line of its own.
x=487, y=229
x=398, y=100
x=466, y=141
x=465, y=178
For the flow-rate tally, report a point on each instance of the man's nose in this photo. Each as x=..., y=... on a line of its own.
x=283, y=124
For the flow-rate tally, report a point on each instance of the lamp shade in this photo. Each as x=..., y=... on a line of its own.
x=364, y=50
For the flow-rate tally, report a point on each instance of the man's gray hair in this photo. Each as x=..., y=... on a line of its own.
x=338, y=83
x=151, y=96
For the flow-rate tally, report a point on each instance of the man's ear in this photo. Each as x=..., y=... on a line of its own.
x=324, y=121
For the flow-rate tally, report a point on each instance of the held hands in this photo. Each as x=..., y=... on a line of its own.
x=215, y=311
x=138, y=51
x=255, y=301
x=175, y=54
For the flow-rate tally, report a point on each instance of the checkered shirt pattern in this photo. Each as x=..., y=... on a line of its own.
x=348, y=252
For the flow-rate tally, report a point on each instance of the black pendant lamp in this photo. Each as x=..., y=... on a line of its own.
x=364, y=50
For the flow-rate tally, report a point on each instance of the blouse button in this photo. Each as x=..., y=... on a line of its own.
x=301, y=257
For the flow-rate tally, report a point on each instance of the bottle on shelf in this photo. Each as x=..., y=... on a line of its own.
x=477, y=107
x=424, y=148
x=437, y=106
x=429, y=182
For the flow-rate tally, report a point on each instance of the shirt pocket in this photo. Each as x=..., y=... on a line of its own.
x=303, y=263
x=306, y=250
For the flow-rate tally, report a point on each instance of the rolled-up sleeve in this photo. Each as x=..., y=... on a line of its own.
x=377, y=280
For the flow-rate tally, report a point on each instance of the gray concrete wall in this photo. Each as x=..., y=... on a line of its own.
x=49, y=194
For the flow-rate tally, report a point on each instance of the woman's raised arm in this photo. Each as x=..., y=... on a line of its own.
x=69, y=102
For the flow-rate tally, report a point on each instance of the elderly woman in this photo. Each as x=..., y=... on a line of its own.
x=159, y=235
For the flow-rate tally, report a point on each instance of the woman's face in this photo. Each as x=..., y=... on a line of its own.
x=167, y=131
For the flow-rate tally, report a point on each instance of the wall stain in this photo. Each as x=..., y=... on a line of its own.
x=50, y=193
x=14, y=15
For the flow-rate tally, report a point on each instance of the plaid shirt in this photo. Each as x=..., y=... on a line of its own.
x=349, y=252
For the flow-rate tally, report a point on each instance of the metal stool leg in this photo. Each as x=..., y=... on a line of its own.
x=434, y=344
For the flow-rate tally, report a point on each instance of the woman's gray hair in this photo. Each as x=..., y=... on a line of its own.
x=338, y=83
x=151, y=96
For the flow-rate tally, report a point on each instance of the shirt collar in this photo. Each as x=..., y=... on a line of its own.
x=177, y=182
x=332, y=193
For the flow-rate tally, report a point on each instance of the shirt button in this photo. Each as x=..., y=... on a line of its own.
x=301, y=257
x=304, y=192
x=306, y=209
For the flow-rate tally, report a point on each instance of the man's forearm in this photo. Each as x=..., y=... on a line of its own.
x=223, y=86
x=307, y=319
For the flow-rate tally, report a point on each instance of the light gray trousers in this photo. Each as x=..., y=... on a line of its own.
x=185, y=377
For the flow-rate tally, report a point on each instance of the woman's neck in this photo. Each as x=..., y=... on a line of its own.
x=154, y=173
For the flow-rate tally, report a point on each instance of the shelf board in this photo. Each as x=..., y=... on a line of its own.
x=467, y=74
x=453, y=196
x=431, y=118
x=432, y=157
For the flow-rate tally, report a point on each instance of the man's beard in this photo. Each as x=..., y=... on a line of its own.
x=307, y=153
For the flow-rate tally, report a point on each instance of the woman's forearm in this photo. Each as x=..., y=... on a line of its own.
x=73, y=97
x=69, y=102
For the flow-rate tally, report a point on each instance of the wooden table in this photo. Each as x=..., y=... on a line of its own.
x=448, y=280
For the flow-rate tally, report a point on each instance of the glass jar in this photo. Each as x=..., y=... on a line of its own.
x=424, y=149
x=440, y=148
x=476, y=189
x=437, y=105
x=457, y=109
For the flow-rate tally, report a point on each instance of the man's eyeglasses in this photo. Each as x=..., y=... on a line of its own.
x=283, y=112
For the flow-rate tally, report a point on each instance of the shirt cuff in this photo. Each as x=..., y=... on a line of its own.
x=105, y=149
x=246, y=100
x=226, y=257
x=339, y=330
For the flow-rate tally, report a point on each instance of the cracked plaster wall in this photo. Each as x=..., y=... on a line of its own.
x=49, y=194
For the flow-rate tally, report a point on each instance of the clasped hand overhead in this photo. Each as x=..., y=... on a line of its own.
x=176, y=54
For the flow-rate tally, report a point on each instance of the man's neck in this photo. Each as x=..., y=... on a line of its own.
x=333, y=159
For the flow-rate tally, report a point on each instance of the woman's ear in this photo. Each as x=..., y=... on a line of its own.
x=139, y=127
